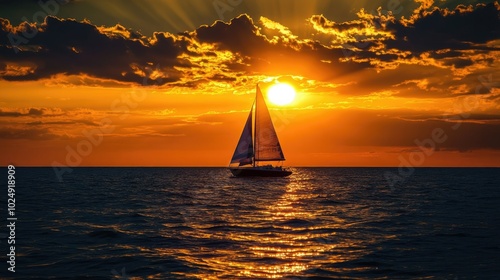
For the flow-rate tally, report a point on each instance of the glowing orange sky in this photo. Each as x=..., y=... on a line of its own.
x=111, y=95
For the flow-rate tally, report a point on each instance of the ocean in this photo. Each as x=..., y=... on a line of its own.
x=199, y=223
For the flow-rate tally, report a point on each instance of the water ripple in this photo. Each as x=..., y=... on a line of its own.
x=198, y=223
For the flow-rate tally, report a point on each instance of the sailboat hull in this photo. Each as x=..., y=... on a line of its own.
x=260, y=172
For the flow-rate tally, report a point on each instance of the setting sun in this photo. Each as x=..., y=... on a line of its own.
x=281, y=94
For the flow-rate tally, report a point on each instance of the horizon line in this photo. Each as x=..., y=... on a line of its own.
x=218, y=166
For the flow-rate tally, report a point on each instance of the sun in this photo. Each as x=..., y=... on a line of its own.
x=281, y=94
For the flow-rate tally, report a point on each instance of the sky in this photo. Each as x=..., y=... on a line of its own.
x=170, y=83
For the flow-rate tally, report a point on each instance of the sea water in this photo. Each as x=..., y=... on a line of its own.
x=199, y=223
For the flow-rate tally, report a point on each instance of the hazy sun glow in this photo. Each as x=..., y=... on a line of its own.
x=281, y=94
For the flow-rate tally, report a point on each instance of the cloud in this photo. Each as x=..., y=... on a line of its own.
x=449, y=43
x=27, y=133
x=394, y=128
x=84, y=122
x=9, y=114
x=443, y=48
x=439, y=33
x=465, y=27
x=285, y=55
x=239, y=35
x=67, y=47
x=33, y=112
x=272, y=25
x=357, y=32
x=73, y=48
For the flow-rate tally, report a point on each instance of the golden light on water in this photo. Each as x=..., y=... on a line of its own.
x=272, y=229
x=280, y=235
x=289, y=246
x=250, y=230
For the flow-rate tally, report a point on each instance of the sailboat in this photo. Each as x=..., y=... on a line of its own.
x=258, y=143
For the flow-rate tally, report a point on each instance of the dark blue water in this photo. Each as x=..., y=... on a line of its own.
x=198, y=223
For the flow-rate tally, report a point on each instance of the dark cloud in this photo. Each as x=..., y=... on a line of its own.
x=72, y=48
x=240, y=35
x=27, y=133
x=35, y=112
x=430, y=33
x=445, y=49
x=433, y=38
x=459, y=29
x=10, y=114
x=85, y=122
x=286, y=56
x=222, y=77
x=459, y=62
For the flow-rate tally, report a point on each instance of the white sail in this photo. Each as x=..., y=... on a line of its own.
x=267, y=145
x=244, y=150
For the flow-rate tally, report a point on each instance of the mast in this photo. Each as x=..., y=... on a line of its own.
x=255, y=126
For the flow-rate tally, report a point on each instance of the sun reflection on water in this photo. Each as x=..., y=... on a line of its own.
x=281, y=235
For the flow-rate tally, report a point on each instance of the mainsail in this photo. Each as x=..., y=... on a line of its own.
x=244, y=150
x=267, y=145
